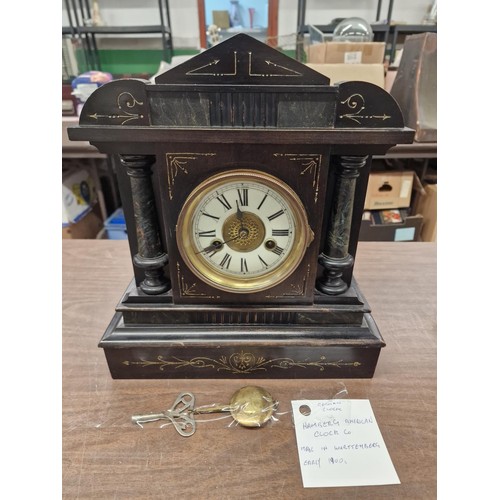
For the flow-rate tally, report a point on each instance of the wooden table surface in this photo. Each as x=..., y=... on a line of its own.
x=105, y=456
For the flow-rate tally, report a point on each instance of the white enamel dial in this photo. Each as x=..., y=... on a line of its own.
x=243, y=231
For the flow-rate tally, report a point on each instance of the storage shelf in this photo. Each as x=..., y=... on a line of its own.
x=414, y=28
x=124, y=30
x=386, y=32
x=88, y=34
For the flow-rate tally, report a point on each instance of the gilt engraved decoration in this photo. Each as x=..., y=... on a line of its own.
x=311, y=165
x=125, y=103
x=273, y=69
x=210, y=69
x=177, y=163
x=294, y=289
x=243, y=67
x=189, y=290
x=356, y=105
x=241, y=363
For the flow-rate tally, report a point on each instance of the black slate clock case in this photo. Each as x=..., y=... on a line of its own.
x=242, y=105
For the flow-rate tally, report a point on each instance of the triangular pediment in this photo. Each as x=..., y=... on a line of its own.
x=242, y=60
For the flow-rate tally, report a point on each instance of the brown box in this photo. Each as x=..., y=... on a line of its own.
x=426, y=206
x=389, y=79
x=86, y=228
x=346, y=53
x=221, y=18
x=372, y=73
x=389, y=190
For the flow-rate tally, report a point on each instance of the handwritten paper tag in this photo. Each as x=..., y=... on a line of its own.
x=340, y=444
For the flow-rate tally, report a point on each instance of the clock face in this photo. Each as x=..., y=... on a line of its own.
x=243, y=231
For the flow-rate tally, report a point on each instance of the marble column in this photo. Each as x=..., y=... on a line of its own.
x=150, y=255
x=335, y=257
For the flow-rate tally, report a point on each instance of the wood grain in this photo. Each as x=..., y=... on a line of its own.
x=105, y=456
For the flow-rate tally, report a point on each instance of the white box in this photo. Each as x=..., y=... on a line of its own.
x=79, y=195
x=389, y=190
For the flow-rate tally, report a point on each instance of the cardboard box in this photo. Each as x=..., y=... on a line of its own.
x=426, y=205
x=87, y=227
x=389, y=79
x=389, y=190
x=221, y=19
x=346, y=53
x=409, y=230
x=372, y=73
x=79, y=195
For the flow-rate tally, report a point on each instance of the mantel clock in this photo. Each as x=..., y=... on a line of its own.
x=242, y=174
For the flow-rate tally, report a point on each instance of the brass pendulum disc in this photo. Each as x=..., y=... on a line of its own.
x=252, y=406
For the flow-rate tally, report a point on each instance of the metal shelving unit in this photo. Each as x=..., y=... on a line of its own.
x=383, y=32
x=88, y=34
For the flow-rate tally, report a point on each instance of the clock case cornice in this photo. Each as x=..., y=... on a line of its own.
x=241, y=103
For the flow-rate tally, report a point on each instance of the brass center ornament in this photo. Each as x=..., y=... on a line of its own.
x=245, y=235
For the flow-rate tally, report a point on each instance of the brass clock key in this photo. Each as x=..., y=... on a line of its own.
x=250, y=406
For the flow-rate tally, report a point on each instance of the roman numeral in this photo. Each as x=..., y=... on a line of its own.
x=244, y=267
x=224, y=202
x=211, y=216
x=207, y=234
x=263, y=261
x=278, y=250
x=262, y=202
x=226, y=260
x=276, y=215
x=281, y=232
x=243, y=196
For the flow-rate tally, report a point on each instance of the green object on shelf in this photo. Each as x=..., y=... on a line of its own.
x=130, y=62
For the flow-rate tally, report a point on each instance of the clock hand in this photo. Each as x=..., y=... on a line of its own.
x=220, y=244
x=239, y=213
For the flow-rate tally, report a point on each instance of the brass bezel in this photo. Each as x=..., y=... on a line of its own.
x=303, y=235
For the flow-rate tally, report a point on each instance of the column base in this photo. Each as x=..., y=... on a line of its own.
x=331, y=282
x=155, y=281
